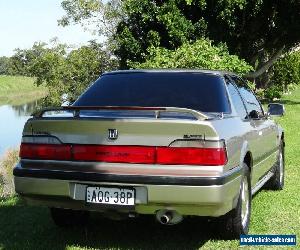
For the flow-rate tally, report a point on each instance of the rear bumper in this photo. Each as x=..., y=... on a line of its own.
x=203, y=196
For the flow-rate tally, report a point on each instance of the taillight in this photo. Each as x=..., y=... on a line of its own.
x=181, y=152
x=45, y=151
x=122, y=154
x=191, y=156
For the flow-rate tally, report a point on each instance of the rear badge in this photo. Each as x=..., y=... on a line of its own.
x=193, y=136
x=112, y=134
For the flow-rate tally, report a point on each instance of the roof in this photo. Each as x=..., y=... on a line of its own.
x=214, y=72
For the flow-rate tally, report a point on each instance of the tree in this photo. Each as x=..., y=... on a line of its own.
x=4, y=65
x=258, y=31
x=70, y=72
x=97, y=16
x=22, y=59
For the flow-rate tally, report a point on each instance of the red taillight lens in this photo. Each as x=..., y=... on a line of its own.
x=45, y=151
x=191, y=156
x=125, y=154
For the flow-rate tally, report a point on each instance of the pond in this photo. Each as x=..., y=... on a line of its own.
x=12, y=120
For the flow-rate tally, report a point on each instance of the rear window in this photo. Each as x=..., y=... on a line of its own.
x=198, y=91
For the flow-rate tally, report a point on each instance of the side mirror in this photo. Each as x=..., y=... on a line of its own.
x=276, y=109
x=254, y=114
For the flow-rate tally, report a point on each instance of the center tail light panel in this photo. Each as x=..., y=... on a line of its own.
x=115, y=154
x=179, y=152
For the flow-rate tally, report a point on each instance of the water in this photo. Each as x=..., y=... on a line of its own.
x=12, y=120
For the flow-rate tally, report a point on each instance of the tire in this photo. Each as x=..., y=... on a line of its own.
x=237, y=221
x=276, y=182
x=68, y=217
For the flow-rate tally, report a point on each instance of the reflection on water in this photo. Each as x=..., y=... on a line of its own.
x=26, y=109
x=12, y=120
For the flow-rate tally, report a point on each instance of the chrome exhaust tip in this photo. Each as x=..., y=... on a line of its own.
x=168, y=217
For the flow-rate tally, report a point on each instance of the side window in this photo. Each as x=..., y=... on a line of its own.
x=251, y=102
x=237, y=101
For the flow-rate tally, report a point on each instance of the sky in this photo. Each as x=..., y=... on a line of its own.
x=23, y=22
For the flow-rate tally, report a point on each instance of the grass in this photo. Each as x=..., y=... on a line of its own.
x=18, y=90
x=24, y=227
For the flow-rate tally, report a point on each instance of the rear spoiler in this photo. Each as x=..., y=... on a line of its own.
x=76, y=110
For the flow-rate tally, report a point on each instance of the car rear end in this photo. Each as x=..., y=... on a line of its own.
x=133, y=143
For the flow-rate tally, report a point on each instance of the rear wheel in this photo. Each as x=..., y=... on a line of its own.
x=237, y=221
x=68, y=217
x=276, y=182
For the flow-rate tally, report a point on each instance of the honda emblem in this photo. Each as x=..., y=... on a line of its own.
x=112, y=134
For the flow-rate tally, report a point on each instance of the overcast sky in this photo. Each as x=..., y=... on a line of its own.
x=22, y=22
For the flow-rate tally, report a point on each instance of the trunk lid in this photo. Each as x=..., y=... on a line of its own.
x=130, y=131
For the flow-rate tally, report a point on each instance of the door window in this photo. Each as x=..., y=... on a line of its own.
x=253, y=106
x=237, y=101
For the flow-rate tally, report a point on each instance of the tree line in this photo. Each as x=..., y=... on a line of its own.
x=257, y=39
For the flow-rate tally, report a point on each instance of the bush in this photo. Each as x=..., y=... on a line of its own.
x=273, y=92
x=286, y=71
x=6, y=172
x=199, y=55
x=285, y=76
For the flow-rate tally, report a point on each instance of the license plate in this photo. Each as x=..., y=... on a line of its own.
x=108, y=195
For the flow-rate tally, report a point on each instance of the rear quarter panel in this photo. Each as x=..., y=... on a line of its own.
x=236, y=135
x=242, y=137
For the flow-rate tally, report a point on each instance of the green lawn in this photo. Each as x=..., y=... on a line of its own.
x=24, y=227
x=17, y=90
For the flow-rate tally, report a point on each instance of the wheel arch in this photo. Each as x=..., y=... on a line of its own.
x=281, y=135
x=246, y=157
x=282, y=138
x=248, y=160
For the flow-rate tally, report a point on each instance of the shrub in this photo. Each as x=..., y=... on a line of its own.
x=260, y=93
x=6, y=172
x=273, y=92
x=286, y=71
x=199, y=55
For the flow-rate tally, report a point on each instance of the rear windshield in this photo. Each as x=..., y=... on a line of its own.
x=198, y=91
